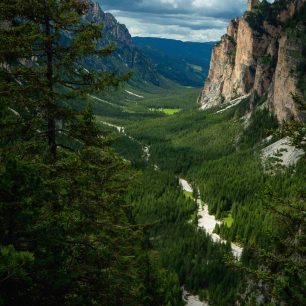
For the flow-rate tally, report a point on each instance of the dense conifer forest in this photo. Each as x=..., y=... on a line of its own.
x=91, y=209
x=67, y=236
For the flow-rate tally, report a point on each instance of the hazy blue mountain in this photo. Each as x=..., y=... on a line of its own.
x=127, y=56
x=184, y=62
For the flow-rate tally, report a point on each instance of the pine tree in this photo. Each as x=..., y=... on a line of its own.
x=44, y=45
x=65, y=234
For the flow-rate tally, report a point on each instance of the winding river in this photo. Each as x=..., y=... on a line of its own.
x=208, y=222
x=192, y=300
x=121, y=130
x=205, y=221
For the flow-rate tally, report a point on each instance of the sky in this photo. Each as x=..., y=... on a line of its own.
x=187, y=20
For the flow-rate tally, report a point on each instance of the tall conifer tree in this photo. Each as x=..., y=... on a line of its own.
x=65, y=235
x=43, y=47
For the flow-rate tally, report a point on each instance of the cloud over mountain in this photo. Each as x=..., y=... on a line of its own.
x=189, y=20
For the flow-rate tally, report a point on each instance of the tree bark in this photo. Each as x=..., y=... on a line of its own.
x=50, y=96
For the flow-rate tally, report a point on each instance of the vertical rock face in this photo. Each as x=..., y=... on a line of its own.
x=110, y=25
x=285, y=82
x=217, y=88
x=252, y=4
x=242, y=78
x=257, y=57
x=127, y=57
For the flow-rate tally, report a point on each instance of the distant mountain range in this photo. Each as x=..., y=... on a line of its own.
x=184, y=62
x=150, y=59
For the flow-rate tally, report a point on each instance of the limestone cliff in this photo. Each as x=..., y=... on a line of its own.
x=259, y=57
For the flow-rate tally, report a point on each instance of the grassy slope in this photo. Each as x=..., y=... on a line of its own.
x=122, y=108
x=188, y=137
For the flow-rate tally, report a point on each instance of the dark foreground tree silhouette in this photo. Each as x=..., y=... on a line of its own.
x=66, y=237
x=44, y=45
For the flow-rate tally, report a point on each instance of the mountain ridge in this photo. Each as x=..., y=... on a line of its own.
x=127, y=57
x=184, y=62
x=257, y=56
x=175, y=40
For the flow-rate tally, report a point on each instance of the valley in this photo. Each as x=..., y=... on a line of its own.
x=147, y=171
x=216, y=168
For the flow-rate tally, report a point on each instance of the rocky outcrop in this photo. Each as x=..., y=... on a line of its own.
x=284, y=83
x=127, y=57
x=252, y=4
x=111, y=26
x=222, y=64
x=258, y=57
x=281, y=152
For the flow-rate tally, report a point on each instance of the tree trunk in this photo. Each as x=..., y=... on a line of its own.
x=50, y=97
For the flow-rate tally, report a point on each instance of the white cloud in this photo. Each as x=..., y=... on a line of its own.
x=187, y=20
x=140, y=28
x=171, y=2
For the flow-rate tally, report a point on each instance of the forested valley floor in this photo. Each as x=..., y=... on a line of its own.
x=105, y=178
x=220, y=153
